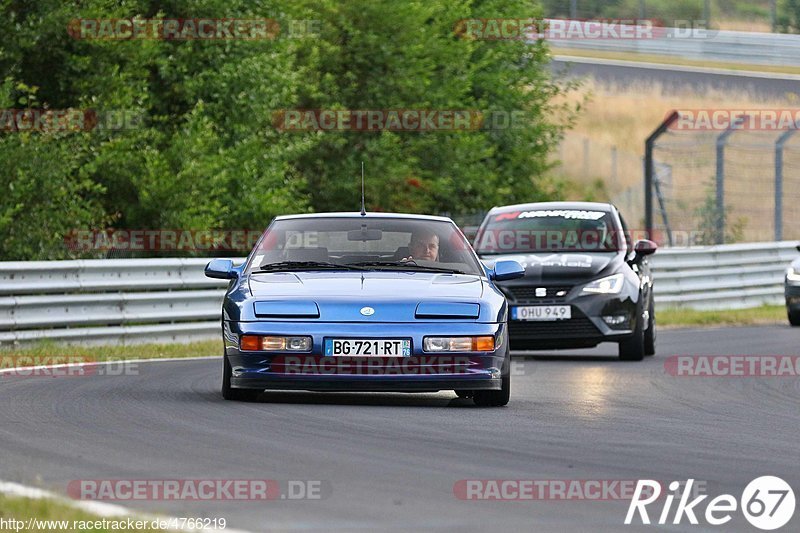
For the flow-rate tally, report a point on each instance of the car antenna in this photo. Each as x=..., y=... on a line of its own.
x=363, y=204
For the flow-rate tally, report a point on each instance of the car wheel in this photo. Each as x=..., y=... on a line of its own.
x=632, y=349
x=794, y=318
x=237, y=395
x=650, y=334
x=494, y=398
x=464, y=393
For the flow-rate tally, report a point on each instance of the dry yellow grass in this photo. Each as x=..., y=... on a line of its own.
x=625, y=116
x=743, y=25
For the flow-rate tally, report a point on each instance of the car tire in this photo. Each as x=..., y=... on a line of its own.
x=494, y=398
x=632, y=348
x=236, y=395
x=650, y=333
x=794, y=318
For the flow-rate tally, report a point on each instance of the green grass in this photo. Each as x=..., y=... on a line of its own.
x=768, y=314
x=23, y=509
x=49, y=350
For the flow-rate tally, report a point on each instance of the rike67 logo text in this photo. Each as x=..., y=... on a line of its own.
x=767, y=502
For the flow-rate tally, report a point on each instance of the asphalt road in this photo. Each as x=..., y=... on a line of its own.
x=390, y=461
x=671, y=79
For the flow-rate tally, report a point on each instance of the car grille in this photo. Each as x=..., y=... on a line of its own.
x=577, y=327
x=527, y=293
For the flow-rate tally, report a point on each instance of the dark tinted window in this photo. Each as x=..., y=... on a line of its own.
x=549, y=230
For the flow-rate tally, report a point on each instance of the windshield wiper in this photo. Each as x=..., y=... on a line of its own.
x=305, y=265
x=408, y=265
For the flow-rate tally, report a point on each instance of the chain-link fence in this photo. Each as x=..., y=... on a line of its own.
x=735, y=186
x=755, y=174
x=586, y=161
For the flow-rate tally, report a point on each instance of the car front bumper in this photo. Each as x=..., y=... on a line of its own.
x=586, y=328
x=419, y=372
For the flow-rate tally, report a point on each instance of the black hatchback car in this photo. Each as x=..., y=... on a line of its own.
x=585, y=281
x=792, y=288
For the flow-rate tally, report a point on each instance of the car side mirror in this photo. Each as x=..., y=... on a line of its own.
x=506, y=270
x=645, y=247
x=221, y=269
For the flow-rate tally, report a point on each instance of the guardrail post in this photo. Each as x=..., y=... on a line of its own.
x=649, y=169
x=785, y=136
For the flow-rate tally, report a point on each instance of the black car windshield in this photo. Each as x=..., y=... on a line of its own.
x=549, y=230
x=363, y=243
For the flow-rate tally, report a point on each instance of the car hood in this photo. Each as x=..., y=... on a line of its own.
x=394, y=296
x=559, y=266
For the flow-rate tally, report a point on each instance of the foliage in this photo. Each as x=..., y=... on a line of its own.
x=200, y=149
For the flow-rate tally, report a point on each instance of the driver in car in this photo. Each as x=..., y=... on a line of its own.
x=424, y=245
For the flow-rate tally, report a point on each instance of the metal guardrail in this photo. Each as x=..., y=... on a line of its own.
x=108, y=301
x=729, y=276
x=713, y=45
x=167, y=300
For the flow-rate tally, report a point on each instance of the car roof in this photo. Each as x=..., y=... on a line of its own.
x=596, y=206
x=368, y=216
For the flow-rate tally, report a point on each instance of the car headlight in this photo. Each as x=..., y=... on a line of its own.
x=609, y=285
x=458, y=344
x=272, y=343
x=793, y=275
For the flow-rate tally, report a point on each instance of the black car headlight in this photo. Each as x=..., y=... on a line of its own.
x=608, y=285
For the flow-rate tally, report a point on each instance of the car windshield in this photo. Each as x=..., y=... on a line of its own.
x=549, y=230
x=363, y=243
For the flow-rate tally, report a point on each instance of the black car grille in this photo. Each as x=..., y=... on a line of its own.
x=527, y=293
x=577, y=327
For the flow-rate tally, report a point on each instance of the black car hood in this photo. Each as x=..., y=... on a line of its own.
x=561, y=266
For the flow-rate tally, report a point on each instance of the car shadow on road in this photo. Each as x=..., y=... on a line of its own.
x=370, y=399
x=566, y=356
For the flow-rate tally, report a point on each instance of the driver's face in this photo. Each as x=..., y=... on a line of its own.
x=426, y=248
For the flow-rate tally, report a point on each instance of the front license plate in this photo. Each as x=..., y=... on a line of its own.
x=368, y=347
x=541, y=312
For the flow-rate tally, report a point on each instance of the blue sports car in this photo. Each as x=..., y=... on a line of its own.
x=365, y=302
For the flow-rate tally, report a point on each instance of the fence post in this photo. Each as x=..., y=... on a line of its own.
x=614, y=165
x=722, y=140
x=785, y=136
x=573, y=9
x=649, y=145
x=586, y=157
